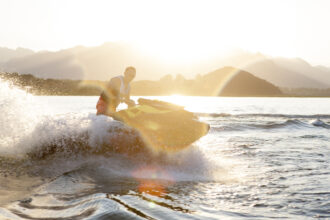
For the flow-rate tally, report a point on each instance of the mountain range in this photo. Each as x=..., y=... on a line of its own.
x=226, y=81
x=110, y=59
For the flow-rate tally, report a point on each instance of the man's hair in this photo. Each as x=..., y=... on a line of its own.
x=130, y=68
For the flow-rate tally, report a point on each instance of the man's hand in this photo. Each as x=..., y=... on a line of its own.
x=129, y=102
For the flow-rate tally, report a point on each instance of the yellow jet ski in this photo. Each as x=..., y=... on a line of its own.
x=163, y=126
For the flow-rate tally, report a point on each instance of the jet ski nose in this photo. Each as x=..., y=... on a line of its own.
x=208, y=127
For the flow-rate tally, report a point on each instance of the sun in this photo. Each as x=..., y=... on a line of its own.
x=176, y=32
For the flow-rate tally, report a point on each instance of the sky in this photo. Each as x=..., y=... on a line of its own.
x=178, y=30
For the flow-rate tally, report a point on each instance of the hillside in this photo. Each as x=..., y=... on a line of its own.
x=7, y=54
x=85, y=63
x=284, y=77
x=239, y=83
x=282, y=72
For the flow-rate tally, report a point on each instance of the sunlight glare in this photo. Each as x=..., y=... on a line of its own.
x=176, y=99
x=161, y=31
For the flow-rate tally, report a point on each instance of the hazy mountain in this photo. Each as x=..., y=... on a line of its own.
x=110, y=59
x=283, y=72
x=62, y=64
x=229, y=81
x=317, y=73
x=283, y=77
x=6, y=54
x=93, y=63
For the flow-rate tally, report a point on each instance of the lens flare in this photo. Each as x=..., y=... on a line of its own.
x=152, y=180
x=225, y=80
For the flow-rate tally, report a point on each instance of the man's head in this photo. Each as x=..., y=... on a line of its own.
x=129, y=73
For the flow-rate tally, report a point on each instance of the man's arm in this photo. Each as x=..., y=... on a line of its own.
x=114, y=87
x=128, y=95
x=128, y=100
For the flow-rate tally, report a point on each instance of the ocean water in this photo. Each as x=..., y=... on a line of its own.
x=263, y=158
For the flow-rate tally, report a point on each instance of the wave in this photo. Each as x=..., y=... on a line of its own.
x=319, y=123
x=288, y=124
x=292, y=116
x=79, y=134
x=19, y=115
x=27, y=130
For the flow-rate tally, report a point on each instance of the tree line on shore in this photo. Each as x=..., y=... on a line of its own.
x=212, y=84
